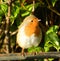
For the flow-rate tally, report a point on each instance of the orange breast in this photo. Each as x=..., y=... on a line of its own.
x=32, y=28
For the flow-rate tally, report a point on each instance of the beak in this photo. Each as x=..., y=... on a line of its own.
x=39, y=19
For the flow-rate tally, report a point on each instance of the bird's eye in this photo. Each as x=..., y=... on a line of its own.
x=31, y=20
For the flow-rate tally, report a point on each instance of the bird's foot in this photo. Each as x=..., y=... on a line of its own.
x=23, y=53
x=34, y=53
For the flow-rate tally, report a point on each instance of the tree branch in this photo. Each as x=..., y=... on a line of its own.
x=13, y=33
x=7, y=34
x=18, y=56
x=52, y=8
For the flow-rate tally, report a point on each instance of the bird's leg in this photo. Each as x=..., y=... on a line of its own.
x=23, y=52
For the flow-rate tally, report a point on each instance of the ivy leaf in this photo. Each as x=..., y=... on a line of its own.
x=1, y=13
x=53, y=2
x=54, y=40
x=35, y=49
x=25, y=14
x=29, y=7
x=0, y=19
x=51, y=38
x=15, y=12
x=47, y=44
x=4, y=8
x=28, y=10
x=22, y=1
x=52, y=29
x=12, y=19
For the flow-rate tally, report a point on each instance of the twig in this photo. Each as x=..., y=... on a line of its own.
x=48, y=3
x=6, y=2
x=33, y=6
x=7, y=35
x=52, y=9
x=13, y=33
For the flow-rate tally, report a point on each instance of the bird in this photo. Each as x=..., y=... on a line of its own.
x=29, y=33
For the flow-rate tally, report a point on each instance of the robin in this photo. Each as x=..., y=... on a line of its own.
x=29, y=33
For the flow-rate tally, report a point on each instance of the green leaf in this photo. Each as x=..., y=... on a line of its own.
x=1, y=13
x=54, y=39
x=29, y=7
x=28, y=10
x=12, y=19
x=53, y=2
x=52, y=29
x=15, y=12
x=22, y=1
x=35, y=49
x=51, y=59
x=25, y=14
x=47, y=45
x=51, y=38
x=4, y=0
x=0, y=19
x=4, y=8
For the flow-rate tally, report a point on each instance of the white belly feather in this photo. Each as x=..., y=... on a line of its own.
x=25, y=41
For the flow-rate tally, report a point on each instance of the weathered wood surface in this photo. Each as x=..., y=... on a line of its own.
x=18, y=56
